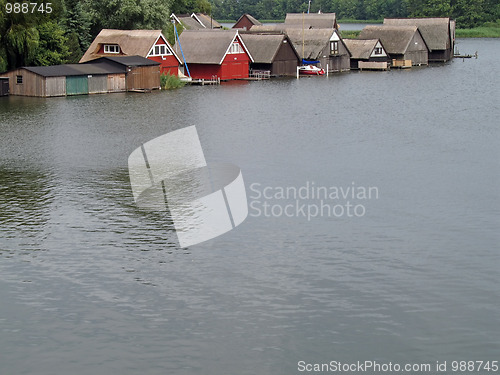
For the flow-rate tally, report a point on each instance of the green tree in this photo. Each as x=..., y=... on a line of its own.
x=52, y=46
x=469, y=13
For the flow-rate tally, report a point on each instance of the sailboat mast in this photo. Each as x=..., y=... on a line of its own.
x=303, y=37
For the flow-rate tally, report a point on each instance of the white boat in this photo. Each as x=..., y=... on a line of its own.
x=311, y=70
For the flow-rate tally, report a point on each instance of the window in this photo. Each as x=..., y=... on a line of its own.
x=334, y=47
x=111, y=48
x=236, y=48
x=378, y=50
x=160, y=50
x=19, y=79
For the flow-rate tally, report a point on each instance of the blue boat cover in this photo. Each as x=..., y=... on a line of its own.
x=304, y=61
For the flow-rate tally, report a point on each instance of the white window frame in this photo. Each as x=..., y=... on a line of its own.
x=378, y=51
x=235, y=48
x=160, y=50
x=111, y=48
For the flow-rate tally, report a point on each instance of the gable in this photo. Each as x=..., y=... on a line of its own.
x=162, y=48
x=208, y=46
x=378, y=48
x=237, y=46
x=417, y=43
x=335, y=37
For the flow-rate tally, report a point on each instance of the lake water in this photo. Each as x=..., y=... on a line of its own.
x=89, y=284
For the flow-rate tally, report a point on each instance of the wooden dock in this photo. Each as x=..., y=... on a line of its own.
x=459, y=56
x=202, y=82
x=401, y=64
x=373, y=65
x=258, y=75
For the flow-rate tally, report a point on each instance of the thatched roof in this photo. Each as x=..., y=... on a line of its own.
x=264, y=47
x=131, y=42
x=360, y=48
x=267, y=27
x=250, y=18
x=309, y=43
x=206, y=46
x=312, y=20
x=206, y=21
x=394, y=38
x=435, y=31
x=190, y=23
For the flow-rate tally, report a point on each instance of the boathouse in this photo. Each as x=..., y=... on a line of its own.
x=321, y=45
x=214, y=54
x=60, y=80
x=438, y=33
x=246, y=21
x=150, y=44
x=139, y=73
x=367, y=54
x=107, y=74
x=404, y=44
x=272, y=52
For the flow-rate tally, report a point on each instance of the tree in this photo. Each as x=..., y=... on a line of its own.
x=52, y=46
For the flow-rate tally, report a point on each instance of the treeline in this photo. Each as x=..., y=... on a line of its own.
x=35, y=36
x=468, y=13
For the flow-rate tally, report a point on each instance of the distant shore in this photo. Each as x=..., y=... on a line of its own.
x=488, y=30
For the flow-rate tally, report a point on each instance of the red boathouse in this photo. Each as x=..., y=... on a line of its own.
x=146, y=43
x=215, y=53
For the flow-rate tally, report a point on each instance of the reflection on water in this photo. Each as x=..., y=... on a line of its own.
x=414, y=280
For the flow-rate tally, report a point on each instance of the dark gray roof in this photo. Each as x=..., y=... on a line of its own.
x=394, y=38
x=264, y=47
x=435, y=31
x=128, y=60
x=75, y=70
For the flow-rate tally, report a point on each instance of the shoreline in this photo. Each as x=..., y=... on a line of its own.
x=485, y=31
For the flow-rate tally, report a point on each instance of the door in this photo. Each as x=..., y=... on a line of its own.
x=77, y=85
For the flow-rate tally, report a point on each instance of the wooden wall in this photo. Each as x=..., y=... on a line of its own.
x=33, y=84
x=285, y=62
x=117, y=82
x=417, y=51
x=55, y=86
x=98, y=84
x=144, y=77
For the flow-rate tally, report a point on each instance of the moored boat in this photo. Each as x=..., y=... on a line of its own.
x=311, y=70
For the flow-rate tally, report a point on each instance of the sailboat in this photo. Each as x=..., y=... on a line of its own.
x=311, y=70
x=307, y=68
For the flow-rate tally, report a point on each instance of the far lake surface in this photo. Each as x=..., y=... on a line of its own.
x=90, y=285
